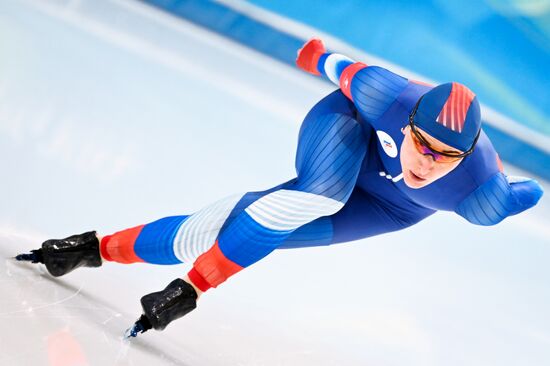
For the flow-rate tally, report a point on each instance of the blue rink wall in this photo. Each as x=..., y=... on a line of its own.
x=528, y=151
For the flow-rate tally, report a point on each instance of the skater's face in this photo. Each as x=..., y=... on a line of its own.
x=420, y=166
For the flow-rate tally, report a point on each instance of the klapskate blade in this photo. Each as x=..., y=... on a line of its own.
x=25, y=257
x=134, y=330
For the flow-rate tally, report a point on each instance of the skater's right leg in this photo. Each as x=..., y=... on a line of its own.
x=170, y=240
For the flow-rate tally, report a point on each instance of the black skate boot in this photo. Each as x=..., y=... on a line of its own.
x=161, y=308
x=61, y=256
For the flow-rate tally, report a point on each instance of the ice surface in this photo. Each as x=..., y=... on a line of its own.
x=113, y=114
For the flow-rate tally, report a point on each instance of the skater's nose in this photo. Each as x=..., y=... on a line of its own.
x=426, y=164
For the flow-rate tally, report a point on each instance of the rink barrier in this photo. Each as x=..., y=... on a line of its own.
x=519, y=146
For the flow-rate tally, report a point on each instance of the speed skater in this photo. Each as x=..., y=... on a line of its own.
x=379, y=154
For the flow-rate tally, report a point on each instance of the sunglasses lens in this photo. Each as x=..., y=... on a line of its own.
x=445, y=159
x=425, y=150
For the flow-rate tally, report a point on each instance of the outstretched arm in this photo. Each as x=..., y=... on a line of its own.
x=499, y=197
x=313, y=58
x=371, y=88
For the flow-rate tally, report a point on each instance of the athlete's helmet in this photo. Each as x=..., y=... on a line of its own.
x=450, y=113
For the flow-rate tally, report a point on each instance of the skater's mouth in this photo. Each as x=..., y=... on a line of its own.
x=416, y=177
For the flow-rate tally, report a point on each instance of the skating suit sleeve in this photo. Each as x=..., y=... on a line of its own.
x=501, y=196
x=372, y=89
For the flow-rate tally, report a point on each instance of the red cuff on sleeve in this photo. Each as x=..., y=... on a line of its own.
x=198, y=280
x=347, y=76
x=103, y=248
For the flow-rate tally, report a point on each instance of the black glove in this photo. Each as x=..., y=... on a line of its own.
x=163, y=307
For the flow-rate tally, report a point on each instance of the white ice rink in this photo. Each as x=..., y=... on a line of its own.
x=113, y=114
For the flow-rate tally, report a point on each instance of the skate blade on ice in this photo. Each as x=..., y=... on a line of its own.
x=134, y=330
x=34, y=256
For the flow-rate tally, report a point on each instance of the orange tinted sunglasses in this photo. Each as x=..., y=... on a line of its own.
x=423, y=148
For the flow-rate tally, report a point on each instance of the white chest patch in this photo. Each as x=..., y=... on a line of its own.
x=387, y=143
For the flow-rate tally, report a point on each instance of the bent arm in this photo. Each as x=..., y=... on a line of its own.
x=499, y=197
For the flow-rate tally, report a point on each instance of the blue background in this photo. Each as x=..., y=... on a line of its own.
x=500, y=49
